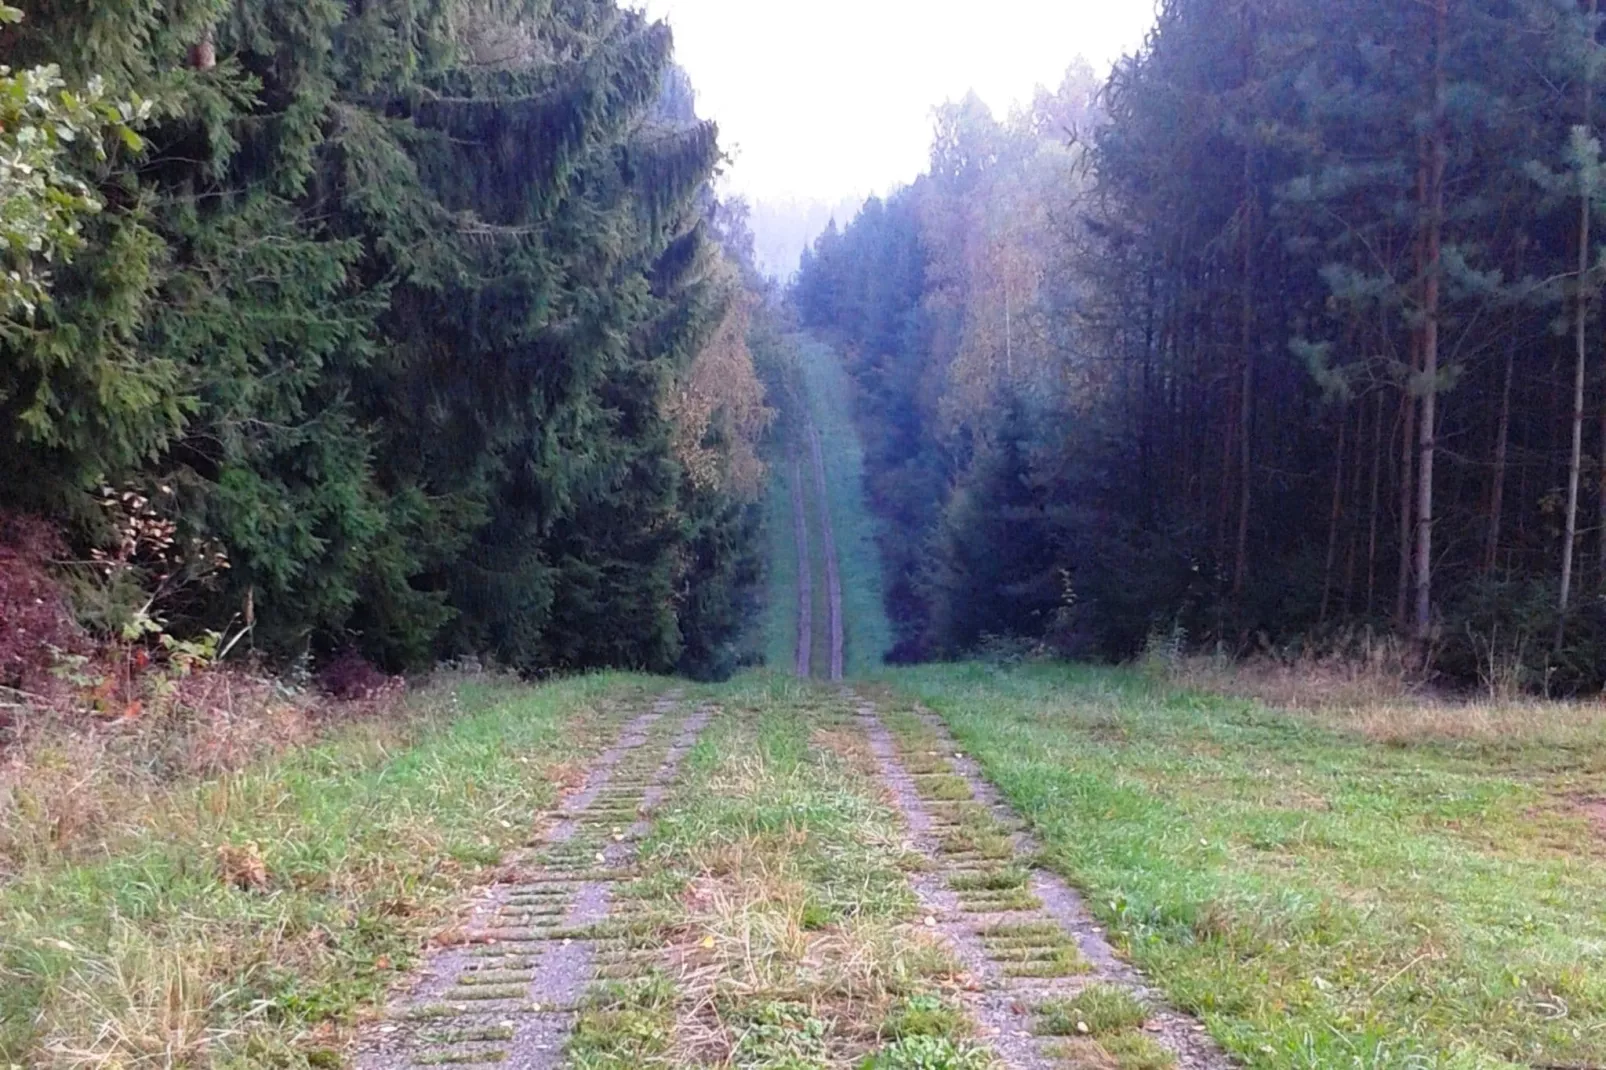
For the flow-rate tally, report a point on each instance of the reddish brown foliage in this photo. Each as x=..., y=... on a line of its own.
x=33, y=614
x=351, y=678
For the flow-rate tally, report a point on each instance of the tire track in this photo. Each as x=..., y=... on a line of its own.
x=1022, y=932
x=805, y=582
x=504, y=992
x=833, y=577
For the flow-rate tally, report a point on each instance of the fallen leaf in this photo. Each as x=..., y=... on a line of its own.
x=242, y=866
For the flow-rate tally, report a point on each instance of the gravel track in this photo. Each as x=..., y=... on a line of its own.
x=1002, y=999
x=504, y=990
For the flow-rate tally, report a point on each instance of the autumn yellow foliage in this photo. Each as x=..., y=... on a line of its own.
x=718, y=413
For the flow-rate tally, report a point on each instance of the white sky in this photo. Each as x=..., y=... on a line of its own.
x=829, y=98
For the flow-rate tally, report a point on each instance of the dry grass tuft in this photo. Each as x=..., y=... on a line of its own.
x=71, y=783
x=1384, y=702
x=154, y=1007
x=791, y=939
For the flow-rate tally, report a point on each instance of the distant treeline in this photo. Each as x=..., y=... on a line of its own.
x=402, y=326
x=1290, y=331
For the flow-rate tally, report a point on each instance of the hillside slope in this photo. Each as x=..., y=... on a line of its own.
x=834, y=549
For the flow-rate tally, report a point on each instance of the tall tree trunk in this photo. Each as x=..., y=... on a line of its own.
x=1333, y=517
x=1580, y=372
x=1422, y=616
x=1371, y=509
x=1352, y=494
x=1502, y=440
x=1246, y=395
x=1145, y=436
x=1600, y=563
x=1408, y=405
x=1408, y=412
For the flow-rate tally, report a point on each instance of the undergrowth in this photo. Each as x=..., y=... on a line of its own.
x=245, y=918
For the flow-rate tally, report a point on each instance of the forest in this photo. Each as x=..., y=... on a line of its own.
x=404, y=328
x=417, y=330
x=405, y=465
x=1287, y=336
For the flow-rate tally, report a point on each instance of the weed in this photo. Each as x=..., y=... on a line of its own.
x=449, y=1058
x=1122, y=1051
x=780, y=1034
x=943, y=787
x=924, y=1016
x=1060, y=961
x=624, y=1024
x=990, y=880
x=1134, y=1051
x=992, y=844
x=1098, y=1010
x=928, y=1053
x=1009, y=899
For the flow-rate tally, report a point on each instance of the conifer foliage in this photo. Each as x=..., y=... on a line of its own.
x=1292, y=330
x=389, y=313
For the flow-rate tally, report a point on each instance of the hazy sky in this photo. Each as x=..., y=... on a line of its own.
x=826, y=98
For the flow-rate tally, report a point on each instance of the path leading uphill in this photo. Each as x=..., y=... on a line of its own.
x=504, y=988
x=824, y=882
x=805, y=580
x=833, y=576
x=824, y=535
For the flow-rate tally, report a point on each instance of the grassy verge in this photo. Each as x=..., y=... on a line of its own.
x=1319, y=898
x=820, y=589
x=245, y=920
x=830, y=398
x=787, y=928
x=780, y=604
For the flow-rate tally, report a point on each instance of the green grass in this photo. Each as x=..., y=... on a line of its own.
x=624, y=1024
x=1097, y=1011
x=929, y=1053
x=780, y=602
x=1319, y=899
x=777, y=875
x=924, y=1016
x=820, y=588
x=147, y=955
x=760, y=781
x=829, y=393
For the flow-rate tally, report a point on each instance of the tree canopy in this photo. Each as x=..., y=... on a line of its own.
x=1288, y=332
x=389, y=310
